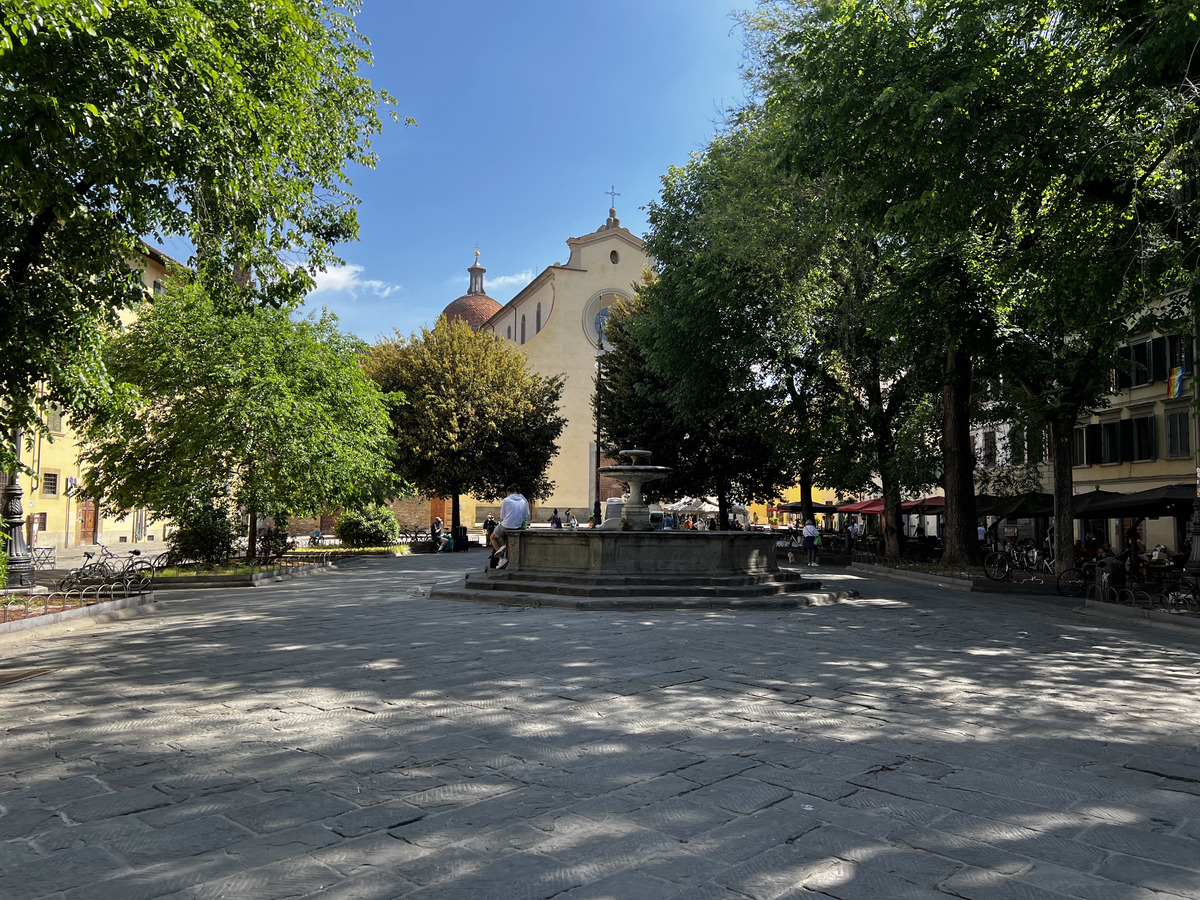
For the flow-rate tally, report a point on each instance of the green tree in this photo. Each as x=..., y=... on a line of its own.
x=253, y=410
x=995, y=137
x=230, y=123
x=476, y=420
x=763, y=301
x=731, y=453
x=730, y=425
x=632, y=408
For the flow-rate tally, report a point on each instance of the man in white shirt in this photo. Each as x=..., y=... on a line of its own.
x=514, y=514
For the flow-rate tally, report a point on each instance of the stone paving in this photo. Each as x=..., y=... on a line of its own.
x=345, y=736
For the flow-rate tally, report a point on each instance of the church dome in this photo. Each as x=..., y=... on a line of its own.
x=474, y=307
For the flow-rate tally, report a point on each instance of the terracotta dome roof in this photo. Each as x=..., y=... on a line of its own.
x=474, y=309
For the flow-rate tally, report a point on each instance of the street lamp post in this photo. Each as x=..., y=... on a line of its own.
x=20, y=565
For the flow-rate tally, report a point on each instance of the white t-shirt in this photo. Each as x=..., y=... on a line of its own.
x=514, y=511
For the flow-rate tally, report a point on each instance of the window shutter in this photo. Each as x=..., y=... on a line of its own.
x=1036, y=447
x=1123, y=377
x=1093, y=448
x=1187, y=353
x=1125, y=448
x=1153, y=448
x=1158, y=359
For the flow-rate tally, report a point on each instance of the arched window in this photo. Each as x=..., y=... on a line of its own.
x=522, y=328
x=538, y=325
x=509, y=332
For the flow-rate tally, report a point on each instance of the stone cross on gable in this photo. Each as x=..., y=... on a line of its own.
x=614, y=193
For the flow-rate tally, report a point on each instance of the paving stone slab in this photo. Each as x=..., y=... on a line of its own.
x=923, y=740
x=178, y=841
x=117, y=803
x=288, y=812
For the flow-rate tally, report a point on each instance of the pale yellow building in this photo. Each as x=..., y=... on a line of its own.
x=1145, y=438
x=52, y=508
x=556, y=321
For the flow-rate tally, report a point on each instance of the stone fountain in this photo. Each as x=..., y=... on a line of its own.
x=638, y=568
x=636, y=514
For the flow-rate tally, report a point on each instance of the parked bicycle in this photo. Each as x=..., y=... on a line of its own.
x=110, y=567
x=413, y=535
x=1078, y=580
x=1179, y=591
x=999, y=565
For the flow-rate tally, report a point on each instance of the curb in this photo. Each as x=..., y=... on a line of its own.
x=975, y=585
x=1188, y=626
x=967, y=584
x=140, y=602
x=238, y=581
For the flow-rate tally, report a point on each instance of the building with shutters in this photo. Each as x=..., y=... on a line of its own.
x=1144, y=438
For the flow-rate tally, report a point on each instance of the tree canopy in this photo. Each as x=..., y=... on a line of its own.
x=254, y=410
x=1014, y=160
x=229, y=123
x=476, y=421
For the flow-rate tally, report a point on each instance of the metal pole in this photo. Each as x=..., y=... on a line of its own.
x=596, y=505
x=1192, y=566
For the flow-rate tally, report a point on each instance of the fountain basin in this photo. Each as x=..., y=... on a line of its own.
x=593, y=569
x=642, y=553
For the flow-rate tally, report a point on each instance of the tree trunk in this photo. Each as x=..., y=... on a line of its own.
x=455, y=514
x=252, y=537
x=960, y=538
x=885, y=454
x=806, y=504
x=1062, y=431
x=722, y=509
x=891, y=518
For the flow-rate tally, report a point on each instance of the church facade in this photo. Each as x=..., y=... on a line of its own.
x=557, y=322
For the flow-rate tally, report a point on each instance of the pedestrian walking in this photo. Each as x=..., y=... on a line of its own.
x=811, y=535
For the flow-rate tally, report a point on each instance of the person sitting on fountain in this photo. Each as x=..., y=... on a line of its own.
x=514, y=514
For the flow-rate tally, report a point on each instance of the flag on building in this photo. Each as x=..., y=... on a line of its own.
x=1175, y=382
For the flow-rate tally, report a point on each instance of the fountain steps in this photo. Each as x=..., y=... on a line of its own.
x=790, y=591
x=623, y=585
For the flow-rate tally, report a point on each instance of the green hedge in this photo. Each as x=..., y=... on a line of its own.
x=374, y=526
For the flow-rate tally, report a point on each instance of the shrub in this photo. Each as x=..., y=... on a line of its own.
x=374, y=526
x=274, y=543
x=204, y=534
x=3, y=567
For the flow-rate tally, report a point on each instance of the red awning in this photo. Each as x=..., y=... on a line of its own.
x=867, y=507
x=930, y=503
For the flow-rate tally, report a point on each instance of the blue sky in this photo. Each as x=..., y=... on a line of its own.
x=527, y=112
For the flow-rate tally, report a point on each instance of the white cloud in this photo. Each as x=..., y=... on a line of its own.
x=347, y=280
x=504, y=283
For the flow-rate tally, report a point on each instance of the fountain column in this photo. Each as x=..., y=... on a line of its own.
x=636, y=514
